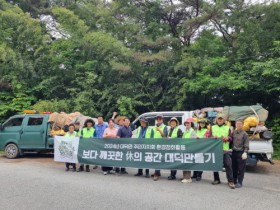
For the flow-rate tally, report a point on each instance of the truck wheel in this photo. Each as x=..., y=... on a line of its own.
x=11, y=151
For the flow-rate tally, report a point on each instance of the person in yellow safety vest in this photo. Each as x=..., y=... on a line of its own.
x=189, y=133
x=87, y=132
x=174, y=132
x=144, y=132
x=201, y=132
x=71, y=133
x=221, y=130
x=160, y=131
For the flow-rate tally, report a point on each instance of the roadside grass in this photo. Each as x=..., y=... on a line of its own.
x=2, y=152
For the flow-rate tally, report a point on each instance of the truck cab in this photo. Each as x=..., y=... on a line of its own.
x=27, y=132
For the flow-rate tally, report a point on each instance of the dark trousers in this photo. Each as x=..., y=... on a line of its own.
x=173, y=173
x=82, y=166
x=157, y=172
x=238, y=166
x=106, y=168
x=70, y=164
x=228, y=166
x=197, y=174
x=118, y=169
x=140, y=171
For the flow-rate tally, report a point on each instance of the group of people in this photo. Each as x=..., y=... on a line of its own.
x=235, y=143
x=99, y=130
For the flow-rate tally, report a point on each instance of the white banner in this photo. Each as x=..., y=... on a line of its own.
x=66, y=149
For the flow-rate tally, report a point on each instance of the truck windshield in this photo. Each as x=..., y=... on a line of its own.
x=14, y=122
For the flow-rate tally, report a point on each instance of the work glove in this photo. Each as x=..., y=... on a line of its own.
x=244, y=156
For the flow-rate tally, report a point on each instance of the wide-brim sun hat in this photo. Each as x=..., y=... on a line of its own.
x=202, y=121
x=89, y=120
x=173, y=119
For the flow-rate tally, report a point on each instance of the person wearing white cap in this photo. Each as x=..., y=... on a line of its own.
x=174, y=132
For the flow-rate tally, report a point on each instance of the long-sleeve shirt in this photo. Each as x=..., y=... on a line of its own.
x=240, y=141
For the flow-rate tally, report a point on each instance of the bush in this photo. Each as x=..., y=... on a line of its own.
x=53, y=106
x=275, y=126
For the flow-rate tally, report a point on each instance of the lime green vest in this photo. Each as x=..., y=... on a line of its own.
x=188, y=134
x=74, y=134
x=174, y=133
x=85, y=133
x=157, y=134
x=201, y=133
x=147, y=135
x=220, y=131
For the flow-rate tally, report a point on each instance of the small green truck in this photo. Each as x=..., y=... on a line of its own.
x=26, y=133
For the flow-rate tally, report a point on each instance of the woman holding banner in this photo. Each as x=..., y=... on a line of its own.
x=174, y=132
x=87, y=132
x=110, y=132
x=71, y=133
x=189, y=133
x=202, y=132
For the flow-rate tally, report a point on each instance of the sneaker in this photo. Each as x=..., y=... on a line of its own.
x=231, y=185
x=156, y=177
x=198, y=179
x=94, y=167
x=185, y=181
x=87, y=170
x=118, y=173
x=67, y=169
x=171, y=177
x=109, y=172
x=215, y=182
x=138, y=174
x=238, y=185
x=124, y=172
x=147, y=175
x=105, y=173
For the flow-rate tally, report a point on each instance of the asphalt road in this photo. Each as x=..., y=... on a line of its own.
x=39, y=183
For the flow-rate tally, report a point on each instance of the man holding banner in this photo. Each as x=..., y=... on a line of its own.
x=160, y=131
x=144, y=132
x=221, y=130
x=124, y=132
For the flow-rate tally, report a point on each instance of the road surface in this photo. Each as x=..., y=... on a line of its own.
x=37, y=182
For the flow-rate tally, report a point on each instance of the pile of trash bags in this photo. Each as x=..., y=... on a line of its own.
x=61, y=119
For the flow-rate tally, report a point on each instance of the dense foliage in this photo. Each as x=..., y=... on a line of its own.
x=137, y=56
